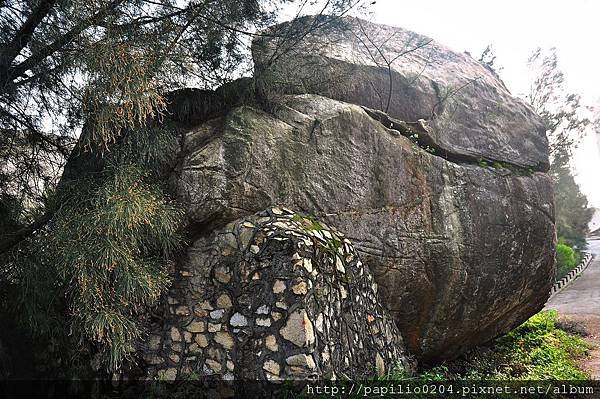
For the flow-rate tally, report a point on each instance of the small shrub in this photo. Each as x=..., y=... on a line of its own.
x=566, y=260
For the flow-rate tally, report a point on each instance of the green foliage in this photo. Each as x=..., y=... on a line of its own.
x=536, y=350
x=548, y=352
x=9, y=212
x=566, y=260
x=572, y=211
x=437, y=373
x=92, y=76
x=565, y=118
x=107, y=65
x=122, y=92
x=87, y=277
x=109, y=255
x=414, y=137
x=566, y=122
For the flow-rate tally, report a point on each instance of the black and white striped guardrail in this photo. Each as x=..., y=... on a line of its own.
x=573, y=274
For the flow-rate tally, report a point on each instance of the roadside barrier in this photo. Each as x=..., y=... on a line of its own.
x=573, y=274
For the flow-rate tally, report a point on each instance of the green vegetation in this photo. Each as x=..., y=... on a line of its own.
x=414, y=137
x=566, y=123
x=566, y=260
x=572, y=211
x=115, y=251
x=84, y=253
x=536, y=350
x=86, y=278
x=333, y=245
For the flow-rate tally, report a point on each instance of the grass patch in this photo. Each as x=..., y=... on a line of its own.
x=539, y=349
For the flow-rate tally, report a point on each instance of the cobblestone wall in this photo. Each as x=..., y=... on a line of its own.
x=274, y=296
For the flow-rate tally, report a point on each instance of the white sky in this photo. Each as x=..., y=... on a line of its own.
x=514, y=28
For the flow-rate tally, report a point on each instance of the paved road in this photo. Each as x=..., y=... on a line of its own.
x=580, y=302
x=594, y=246
x=582, y=296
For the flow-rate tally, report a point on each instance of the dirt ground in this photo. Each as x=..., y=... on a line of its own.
x=591, y=324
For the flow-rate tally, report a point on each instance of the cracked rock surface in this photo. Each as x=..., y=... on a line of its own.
x=461, y=252
x=469, y=111
x=455, y=252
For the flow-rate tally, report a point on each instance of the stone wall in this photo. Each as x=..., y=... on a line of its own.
x=274, y=296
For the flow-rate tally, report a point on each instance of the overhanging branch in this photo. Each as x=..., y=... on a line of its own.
x=23, y=35
x=9, y=240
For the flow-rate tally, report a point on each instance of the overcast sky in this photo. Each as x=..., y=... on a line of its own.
x=514, y=28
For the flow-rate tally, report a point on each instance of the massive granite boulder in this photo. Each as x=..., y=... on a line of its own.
x=425, y=222
x=461, y=251
x=469, y=112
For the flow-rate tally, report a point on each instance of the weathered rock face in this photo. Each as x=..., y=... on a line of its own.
x=274, y=296
x=461, y=252
x=469, y=111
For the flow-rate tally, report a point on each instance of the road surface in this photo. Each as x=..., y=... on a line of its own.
x=582, y=296
x=594, y=246
x=580, y=301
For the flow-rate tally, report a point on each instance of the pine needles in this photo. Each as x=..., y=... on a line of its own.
x=90, y=274
x=111, y=253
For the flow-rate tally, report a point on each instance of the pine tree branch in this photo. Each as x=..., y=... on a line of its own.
x=34, y=132
x=40, y=55
x=12, y=239
x=24, y=34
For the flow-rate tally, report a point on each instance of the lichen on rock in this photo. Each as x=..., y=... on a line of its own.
x=448, y=243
